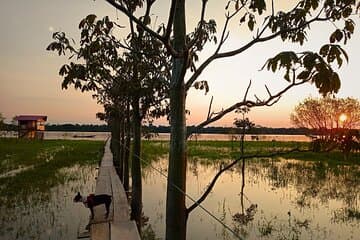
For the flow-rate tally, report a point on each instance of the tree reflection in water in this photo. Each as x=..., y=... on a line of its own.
x=283, y=199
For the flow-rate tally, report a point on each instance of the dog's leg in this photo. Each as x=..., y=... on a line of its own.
x=92, y=212
x=107, y=205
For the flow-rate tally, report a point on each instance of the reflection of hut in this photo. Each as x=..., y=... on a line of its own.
x=254, y=137
x=31, y=126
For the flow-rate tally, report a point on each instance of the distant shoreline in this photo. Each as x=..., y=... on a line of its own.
x=166, y=129
x=102, y=136
x=259, y=130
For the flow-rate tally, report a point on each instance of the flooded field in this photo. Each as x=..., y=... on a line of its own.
x=283, y=199
x=49, y=214
x=38, y=181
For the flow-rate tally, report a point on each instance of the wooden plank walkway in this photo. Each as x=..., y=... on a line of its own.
x=118, y=225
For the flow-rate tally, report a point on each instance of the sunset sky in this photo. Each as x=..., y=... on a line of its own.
x=30, y=84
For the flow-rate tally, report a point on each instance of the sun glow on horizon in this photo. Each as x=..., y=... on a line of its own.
x=343, y=117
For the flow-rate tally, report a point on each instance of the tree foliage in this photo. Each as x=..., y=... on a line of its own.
x=133, y=73
x=336, y=120
x=327, y=113
x=263, y=25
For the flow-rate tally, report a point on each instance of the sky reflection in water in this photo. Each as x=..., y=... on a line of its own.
x=295, y=200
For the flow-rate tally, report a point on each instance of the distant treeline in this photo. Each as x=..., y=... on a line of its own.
x=166, y=129
x=231, y=130
x=77, y=128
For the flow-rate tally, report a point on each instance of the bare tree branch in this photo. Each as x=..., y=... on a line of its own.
x=163, y=39
x=257, y=98
x=272, y=99
x=247, y=91
x=256, y=40
x=170, y=20
x=208, y=115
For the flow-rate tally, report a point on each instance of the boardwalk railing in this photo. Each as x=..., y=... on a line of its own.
x=118, y=225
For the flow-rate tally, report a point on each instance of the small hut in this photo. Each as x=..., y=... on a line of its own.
x=31, y=126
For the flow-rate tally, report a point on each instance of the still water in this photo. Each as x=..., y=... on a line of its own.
x=285, y=199
x=50, y=214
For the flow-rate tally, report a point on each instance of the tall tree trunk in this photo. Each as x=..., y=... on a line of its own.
x=242, y=168
x=111, y=126
x=175, y=202
x=115, y=140
x=136, y=202
x=127, y=148
x=122, y=148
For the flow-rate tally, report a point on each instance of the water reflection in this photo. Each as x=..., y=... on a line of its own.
x=283, y=199
x=49, y=214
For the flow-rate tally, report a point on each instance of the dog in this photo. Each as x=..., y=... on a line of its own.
x=93, y=200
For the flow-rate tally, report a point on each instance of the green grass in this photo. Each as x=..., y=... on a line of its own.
x=15, y=153
x=150, y=150
x=213, y=150
x=46, y=158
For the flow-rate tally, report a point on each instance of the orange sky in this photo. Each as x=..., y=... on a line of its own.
x=29, y=81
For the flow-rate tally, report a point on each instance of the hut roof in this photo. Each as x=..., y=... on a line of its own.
x=30, y=117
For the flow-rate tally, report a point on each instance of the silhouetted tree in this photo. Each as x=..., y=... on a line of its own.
x=244, y=124
x=149, y=73
x=122, y=75
x=336, y=120
x=299, y=67
x=327, y=113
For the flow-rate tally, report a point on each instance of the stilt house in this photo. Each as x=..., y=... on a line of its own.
x=31, y=126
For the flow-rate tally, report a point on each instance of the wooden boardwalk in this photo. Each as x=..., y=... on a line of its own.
x=118, y=225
